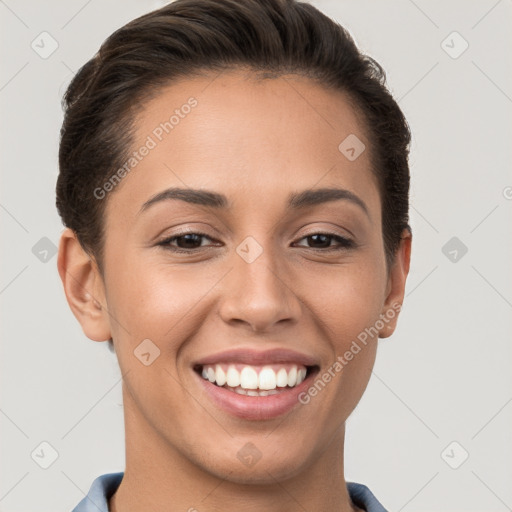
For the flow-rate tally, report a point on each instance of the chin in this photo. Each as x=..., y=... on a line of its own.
x=262, y=471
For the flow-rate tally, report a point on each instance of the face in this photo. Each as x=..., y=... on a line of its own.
x=262, y=272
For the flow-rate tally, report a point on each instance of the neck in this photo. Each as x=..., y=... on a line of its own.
x=159, y=477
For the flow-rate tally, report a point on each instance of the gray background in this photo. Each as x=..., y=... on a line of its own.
x=444, y=376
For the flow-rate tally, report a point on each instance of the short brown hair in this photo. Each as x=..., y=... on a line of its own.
x=191, y=36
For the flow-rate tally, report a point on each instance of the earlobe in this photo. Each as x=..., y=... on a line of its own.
x=396, y=285
x=83, y=286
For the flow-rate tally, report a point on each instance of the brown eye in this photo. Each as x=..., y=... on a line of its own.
x=185, y=242
x=189, y=241
x=322, y=242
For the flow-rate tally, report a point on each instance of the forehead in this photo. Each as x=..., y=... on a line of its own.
x=261, y=138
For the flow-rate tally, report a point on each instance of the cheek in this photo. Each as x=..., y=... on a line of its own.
x=350, y=299
x=152, y=311
x=158, y=302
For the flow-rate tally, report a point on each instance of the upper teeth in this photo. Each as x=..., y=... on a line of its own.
x=248, y=377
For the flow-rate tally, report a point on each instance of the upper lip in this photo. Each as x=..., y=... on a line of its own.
x=259, y=357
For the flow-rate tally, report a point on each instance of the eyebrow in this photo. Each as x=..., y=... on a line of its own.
x=296, y=200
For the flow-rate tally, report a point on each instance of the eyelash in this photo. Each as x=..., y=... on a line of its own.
x=345, y=243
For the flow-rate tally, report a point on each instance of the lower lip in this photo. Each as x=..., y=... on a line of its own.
x=255, y=407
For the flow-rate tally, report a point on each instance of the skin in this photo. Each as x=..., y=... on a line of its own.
x=255, y=141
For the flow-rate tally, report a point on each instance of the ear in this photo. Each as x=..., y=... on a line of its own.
x=395, y=289
x=84, y=287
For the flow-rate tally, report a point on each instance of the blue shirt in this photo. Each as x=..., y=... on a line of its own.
x=106, y=485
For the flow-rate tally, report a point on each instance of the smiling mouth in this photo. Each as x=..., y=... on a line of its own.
x=256, y=380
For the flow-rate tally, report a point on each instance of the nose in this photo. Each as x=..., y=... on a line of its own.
x=259, y=294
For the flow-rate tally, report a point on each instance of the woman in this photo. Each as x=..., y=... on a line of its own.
x=234, y=184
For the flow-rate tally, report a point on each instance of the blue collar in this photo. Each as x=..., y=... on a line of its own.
x=104, y=486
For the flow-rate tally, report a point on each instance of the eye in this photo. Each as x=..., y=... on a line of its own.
x=189, y=242
x=323, y=242
x=186, y=242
